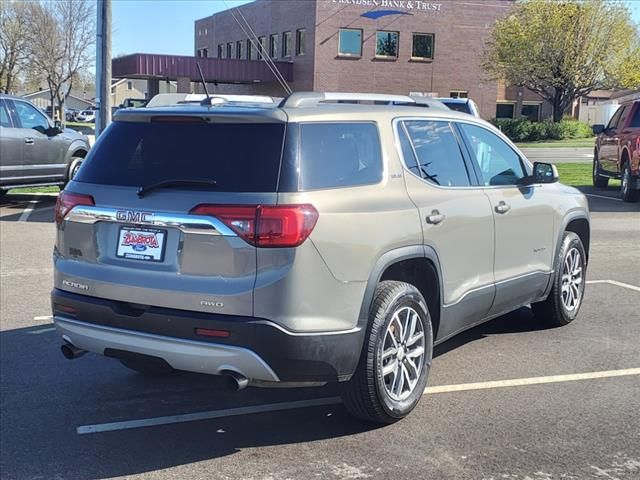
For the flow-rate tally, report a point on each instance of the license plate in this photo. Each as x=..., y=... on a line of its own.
x=140, y=243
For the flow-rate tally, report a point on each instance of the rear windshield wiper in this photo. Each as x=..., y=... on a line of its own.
x=176, y=182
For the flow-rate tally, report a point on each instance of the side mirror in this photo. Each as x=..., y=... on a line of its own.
x=597, y=129
x=545, y=173
x=58, y=124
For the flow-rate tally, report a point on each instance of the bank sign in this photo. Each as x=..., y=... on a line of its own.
x=401, y=7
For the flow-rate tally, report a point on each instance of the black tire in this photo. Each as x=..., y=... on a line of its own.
x=74, y=166
x=553, y=311
x=149, y=367
x=627, y=193
x=598, y=180
x=366, y=395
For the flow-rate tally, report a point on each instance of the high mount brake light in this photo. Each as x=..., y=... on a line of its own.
x=177, y=119
x=67, y=200
x=266, y=226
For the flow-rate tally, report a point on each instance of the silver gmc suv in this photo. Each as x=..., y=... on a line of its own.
x=325, y=238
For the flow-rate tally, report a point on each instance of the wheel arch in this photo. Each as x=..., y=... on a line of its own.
x=418, y=265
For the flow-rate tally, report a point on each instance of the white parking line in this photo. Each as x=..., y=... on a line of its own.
x=25, y=214
x=603, y=196
x=190, y=417
x=614, y=282
x=46, y=317
x=519, y=382
x=275, y=407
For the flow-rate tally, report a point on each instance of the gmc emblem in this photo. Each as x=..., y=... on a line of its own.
x=130, y=216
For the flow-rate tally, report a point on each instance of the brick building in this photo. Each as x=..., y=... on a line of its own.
x=387, y=46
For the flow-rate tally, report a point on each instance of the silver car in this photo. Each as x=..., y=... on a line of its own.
x=33, y=150
x=311, y=241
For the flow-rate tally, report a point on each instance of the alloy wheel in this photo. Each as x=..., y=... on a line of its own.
x=403, y=353
x=572, y=280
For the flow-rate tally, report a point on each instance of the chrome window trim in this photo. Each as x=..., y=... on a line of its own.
x=198, y=224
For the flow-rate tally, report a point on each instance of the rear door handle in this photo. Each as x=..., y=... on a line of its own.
x=435, y=218
x=503, y=207
x=29, y=141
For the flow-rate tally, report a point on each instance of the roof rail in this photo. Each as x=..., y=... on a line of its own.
x=310, y=99
x=168, y=99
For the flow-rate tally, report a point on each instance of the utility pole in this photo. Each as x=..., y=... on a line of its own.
x=103, y=65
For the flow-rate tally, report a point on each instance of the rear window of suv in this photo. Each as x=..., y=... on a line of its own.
x=240, y=157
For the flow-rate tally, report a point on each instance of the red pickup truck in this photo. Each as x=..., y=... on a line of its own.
x=617, y=152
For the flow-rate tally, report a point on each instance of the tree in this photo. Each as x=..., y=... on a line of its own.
x=63, y=44
x=563, y=50
x=387, y=45
x=14, y=42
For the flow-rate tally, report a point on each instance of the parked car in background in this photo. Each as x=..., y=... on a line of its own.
x=617, y=151
x=87, y=116
x=317, y=243
x=70, y=114
x=464, y=105
x=34, y=150
x=134, y=103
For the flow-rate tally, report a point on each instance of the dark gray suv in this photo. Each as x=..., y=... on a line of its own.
x=309, y=242
x=34, y=151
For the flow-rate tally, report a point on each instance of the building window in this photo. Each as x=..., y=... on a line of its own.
x=205, y=52
x=263, y=47
x=238, y=49
x=249, y=50
x=300, y=39
x=220, y=51
x=505, y=110
x=198, y=53
x=531, y=111
x=422, y=46
x=273, y=46
x=129, y=85
x=229, y=50
x=199, y=32
x=286, y=44
x=459, y=94
x=205, y=31
x=387, y=44
x=350, y=42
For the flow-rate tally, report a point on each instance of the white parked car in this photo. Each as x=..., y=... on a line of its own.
x=86, y=116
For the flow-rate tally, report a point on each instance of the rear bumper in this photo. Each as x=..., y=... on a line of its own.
x=256, y=348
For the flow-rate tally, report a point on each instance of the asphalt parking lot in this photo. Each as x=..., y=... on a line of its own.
x=509, y=399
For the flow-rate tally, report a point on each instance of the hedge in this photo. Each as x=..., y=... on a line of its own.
x=528, y=131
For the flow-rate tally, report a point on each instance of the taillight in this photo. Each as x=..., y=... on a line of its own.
x=266, y=225
x=67, y=200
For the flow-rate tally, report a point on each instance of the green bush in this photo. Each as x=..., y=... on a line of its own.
x=528, y=131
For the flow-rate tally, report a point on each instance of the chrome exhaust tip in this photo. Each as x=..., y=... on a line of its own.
x=236, y=381
x=71, y=352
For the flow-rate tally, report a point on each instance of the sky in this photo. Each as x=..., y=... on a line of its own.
x=159, y=26
x=166, y=26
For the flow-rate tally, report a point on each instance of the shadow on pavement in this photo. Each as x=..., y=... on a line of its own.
x=12, y=207
x=45, y=397
x=519, y=321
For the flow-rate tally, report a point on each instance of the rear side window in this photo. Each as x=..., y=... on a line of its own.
x=240, y=157
x=437, y=153
x=334, y=155
x=458, y=107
